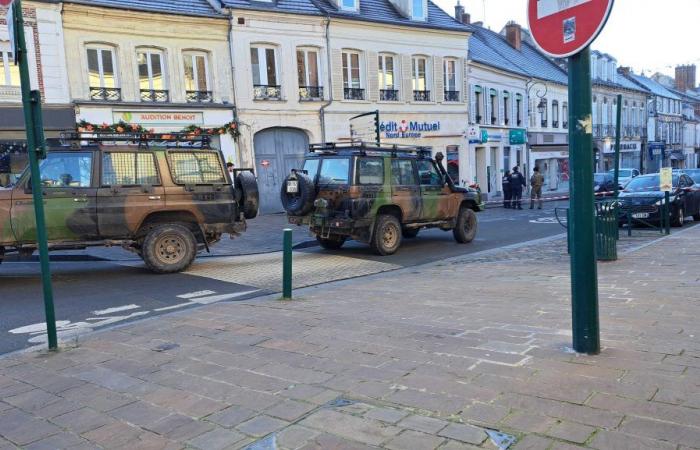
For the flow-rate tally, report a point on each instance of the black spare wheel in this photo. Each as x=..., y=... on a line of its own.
x=247, y=188
x=298, y=194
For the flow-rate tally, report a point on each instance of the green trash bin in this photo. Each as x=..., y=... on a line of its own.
x=606, y=230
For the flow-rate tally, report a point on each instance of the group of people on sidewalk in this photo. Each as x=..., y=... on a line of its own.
x=513, y=185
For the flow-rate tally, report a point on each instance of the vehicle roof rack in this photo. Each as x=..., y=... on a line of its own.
x=78, y=139
x=335, y=148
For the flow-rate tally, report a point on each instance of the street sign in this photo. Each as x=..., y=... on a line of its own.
x=666, y=179
x=6, y=2
x=474, y=135
x=562, y=28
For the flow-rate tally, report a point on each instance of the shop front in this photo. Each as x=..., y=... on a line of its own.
x=630, y=154
x=657, y=155
x=550, y=153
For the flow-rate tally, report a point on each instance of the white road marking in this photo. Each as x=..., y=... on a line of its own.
x=168, y=308
x=102, y=312
x=38, y=327
x=195, y=294
x=221, y=297
x=550, y=7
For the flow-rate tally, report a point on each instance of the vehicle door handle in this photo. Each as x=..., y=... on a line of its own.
x=80, y=200
x=154, y=197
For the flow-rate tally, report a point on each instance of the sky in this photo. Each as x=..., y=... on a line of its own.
x=648, y=35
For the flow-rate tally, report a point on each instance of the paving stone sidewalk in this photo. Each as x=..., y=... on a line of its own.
x=431, y=357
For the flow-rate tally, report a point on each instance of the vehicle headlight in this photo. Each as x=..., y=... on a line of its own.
x=596, y=187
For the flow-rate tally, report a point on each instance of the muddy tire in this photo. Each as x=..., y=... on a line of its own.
x=169, y=248
x=301, y=202
x=410, y=233
x=332, y=242
x=386, y=238
x=247, y=189
x=679, y=219
x=467, y=225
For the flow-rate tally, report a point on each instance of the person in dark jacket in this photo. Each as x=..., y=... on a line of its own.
x=506, y=189
x=517, y=183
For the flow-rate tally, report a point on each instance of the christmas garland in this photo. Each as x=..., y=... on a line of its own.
x=123, y=127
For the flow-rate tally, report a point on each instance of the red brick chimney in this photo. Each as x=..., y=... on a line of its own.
x=466, y=18
x=514, y=35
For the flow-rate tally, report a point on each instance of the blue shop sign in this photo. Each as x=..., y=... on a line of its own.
x=407, y=129
x=657, y=149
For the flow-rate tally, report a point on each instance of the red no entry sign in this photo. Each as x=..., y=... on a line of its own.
x=562, y=28
x=6, y=2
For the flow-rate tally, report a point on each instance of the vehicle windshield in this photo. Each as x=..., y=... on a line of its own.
x=311, y=166
x=623, y=172
x=599, y=178
x=647, y=184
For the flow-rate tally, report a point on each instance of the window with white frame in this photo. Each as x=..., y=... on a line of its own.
x=263, y=60
x=197, y=84
x=152, y=77
x=102, y=73
x=418, y=8
x=565, y=115
x=9, y=71
x=506, y=107
x=308, y=74
x=493, y=104
x=518, y=109
x=479, y=104
x=352, y=76
x=555, y=114
x=348, y=5
x=451, y=80
x=544, y=114
x=420, y=71
x=386, y=77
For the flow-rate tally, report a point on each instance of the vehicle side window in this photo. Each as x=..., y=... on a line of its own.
x=635, y=173
x=196, y=168
x=311, y=167
x=61, y=170
x=402, y=173
x=129, y=169
x=682, y=183
x=369, y=171
x=334, y=171
x=428, y=173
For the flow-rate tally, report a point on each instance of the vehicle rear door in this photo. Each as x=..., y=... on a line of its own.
x=6, y=236
x=691, y=195
x=200, y=186
x=434, y=191
x=405, y=190
x=69, y=190
x=130, y=189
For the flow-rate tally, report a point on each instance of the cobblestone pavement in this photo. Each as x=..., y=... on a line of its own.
x=439, y=356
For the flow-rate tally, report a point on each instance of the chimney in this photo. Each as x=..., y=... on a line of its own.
x=466, y=18
x=625, y=70
x=685, y=77
x=514, y=35
x=459, y=11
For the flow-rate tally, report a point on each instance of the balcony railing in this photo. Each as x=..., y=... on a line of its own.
x=565, y=125
x=354, y=94
x=493, y=120
x=555, y=124
x=199, y=96
x=421, y=96
x=519, y=122
x=105, y=94
x=543, y=124
x=310, y=93
x=478, y=118
x=388, y=95
x=267, y=92
x=451, y=96
x=154, y=95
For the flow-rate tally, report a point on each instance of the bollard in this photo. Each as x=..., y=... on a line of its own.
x=287, y=265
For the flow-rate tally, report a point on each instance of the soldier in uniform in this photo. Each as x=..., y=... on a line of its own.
x=507, y=194
x=536, y=182
x=517, y=183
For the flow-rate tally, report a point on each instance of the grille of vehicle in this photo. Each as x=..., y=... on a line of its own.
x=639, y=208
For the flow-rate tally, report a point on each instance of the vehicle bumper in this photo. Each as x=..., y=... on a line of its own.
x=325, y=226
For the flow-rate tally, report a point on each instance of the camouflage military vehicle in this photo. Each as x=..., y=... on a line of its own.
x=377, y=195
x=166, y=199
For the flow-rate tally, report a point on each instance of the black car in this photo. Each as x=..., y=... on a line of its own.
x=642, y=198
x=693, y=173
x=603, y=183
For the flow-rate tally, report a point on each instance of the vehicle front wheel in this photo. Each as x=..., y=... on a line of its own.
x=467, y=225
x=409, y=233
x=169, y=248
x=331, y=242
x=679, y=220
x=387, y=235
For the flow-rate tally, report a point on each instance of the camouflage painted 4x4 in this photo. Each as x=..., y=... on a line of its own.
x=164, y=202
x=377, y=195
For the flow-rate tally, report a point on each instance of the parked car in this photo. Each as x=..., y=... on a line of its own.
x=643, y=199
x=377, y=195
x=603, y=183
x=625, y=175
x=692, y=173
x=164, y=201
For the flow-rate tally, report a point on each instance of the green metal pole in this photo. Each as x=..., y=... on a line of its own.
x=287, y=265
x=35, y=146
x=584, y=273
x=617, y=144
x=667, y=215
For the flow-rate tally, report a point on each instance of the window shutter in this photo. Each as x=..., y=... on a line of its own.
x=472, y=104
x=372, y=76
x=438, y=84
x=337, y=73
x=501, y=110
x=407, y=78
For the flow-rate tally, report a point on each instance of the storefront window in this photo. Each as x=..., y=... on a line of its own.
x=9, y=71
x=453, y=162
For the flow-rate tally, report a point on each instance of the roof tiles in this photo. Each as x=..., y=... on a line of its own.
x=183, y=7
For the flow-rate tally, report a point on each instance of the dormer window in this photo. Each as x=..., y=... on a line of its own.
x=349, y=5
x=418, y=9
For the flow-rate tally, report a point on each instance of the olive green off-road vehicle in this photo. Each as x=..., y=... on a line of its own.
x=165, y=197
x=377, y=195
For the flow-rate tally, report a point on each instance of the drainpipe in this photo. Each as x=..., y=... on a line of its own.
x=233, y=85
x=322, y=110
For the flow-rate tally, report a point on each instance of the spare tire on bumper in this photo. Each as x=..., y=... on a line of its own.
x=299, y=201
x=247, y=189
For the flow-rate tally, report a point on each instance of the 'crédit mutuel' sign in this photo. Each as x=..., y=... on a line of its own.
x=407, y=129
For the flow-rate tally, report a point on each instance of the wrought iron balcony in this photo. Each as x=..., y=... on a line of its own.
x=267, y=92
x=421, y=96
x=154, y=95
x=354, y=94
x=597, y=130
x=478, y=118
x=494, y=120
x=199, y=96
x=506, y=121
x=106, y=94
x=519, y=122
x=451, y=96
x=543, y=124
x=388, y=95
x=310, y=93
x=555, y=124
